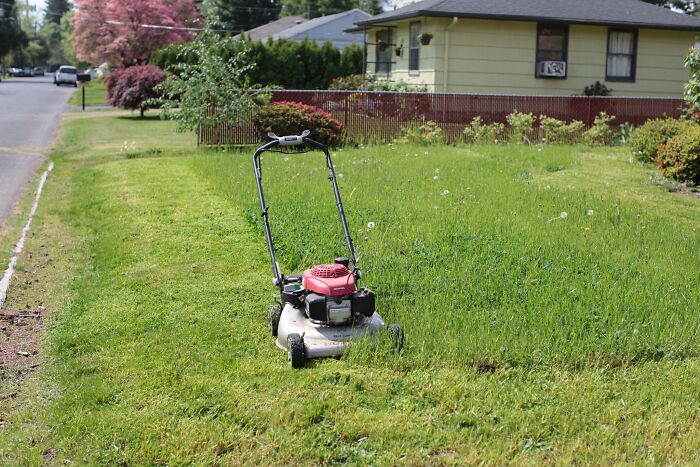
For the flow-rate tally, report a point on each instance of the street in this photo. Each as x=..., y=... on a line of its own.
x=30, y=110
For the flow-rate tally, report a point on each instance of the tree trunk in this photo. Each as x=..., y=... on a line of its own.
x=142, y=111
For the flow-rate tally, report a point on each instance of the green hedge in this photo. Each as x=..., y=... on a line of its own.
x=283, y=62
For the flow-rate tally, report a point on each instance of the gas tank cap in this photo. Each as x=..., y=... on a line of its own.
x=343, y=260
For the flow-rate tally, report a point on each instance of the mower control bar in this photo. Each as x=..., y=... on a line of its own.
x=293, y=140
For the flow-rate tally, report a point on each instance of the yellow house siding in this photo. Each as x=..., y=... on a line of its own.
x=498, y=57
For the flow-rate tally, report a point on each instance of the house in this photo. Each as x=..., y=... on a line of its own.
x=261, y=33
x=539, y=47
x=325, y=28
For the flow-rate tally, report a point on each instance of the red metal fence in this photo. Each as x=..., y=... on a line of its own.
x=381, y=116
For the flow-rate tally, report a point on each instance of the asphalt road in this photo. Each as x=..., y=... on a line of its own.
x=30, y=110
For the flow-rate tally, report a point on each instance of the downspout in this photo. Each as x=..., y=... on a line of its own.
x=447, y=48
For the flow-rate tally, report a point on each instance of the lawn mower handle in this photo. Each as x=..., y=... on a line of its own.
x=294, y=140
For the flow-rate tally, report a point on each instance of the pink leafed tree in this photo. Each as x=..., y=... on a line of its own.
x=118, y=32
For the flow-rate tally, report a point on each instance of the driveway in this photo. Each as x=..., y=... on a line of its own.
x=30, y=110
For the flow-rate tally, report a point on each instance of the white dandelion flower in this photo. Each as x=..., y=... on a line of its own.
x=590, y=212
x=445, y=192
x=370, y=225
x=564, y=215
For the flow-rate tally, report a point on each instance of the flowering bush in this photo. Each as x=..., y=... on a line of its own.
x=679, y=158
x=425, y=134
x=132, y=88
x=601, y=133
x=291, y=118
x=646, y=140
x=477, y=132
x=557, y=131
x=522, y=126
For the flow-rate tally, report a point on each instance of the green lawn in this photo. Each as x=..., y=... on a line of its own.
x=95, y=94
x=158, y=353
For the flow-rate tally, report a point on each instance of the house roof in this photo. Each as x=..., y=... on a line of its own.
x=272, y=28
x=327, y=28
x=630, y=13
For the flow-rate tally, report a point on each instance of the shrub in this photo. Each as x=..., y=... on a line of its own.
x=601, y=133
x=132, y=88
x=646, y=140
x=351, y=82
x=597, y=89
x=522, y=126
x=291, y=118
x=557, y=131
x=477, y=132
x=424, y=135
x=679, y=158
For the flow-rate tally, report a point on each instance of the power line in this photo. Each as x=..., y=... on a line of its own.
x=158, y=26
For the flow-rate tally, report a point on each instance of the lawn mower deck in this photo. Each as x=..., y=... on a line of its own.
x=323, y=310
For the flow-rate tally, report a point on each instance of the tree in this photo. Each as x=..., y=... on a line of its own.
x=316, y=8
x=121, y=32
x=55, y=9
x=688, y=6
x=11, y=34
x=243, y=15
x=134, y=88
x=207, y=89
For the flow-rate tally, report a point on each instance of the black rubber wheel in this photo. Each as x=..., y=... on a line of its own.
x=295, y=351
x=273, y=319
x=396, y=336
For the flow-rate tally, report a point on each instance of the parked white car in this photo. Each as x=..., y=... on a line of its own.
x=66, y=75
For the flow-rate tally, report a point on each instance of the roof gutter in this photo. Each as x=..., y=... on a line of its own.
x=433, y=14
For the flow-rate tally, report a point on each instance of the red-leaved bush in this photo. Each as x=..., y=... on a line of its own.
x=131, y=88
x=292, y=118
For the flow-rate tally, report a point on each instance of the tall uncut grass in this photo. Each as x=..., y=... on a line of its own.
x=484, y=256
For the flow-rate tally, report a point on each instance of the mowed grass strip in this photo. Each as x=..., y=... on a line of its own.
x=161, y=355
x=95, y=94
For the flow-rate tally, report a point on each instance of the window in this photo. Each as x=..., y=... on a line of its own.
x=552, y=46
x=622, y=55
x=413, y=48
x=382, y=63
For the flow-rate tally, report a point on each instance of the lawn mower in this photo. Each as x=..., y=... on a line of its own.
x=322, y=310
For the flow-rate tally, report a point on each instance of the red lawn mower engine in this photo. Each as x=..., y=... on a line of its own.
x=332, y=294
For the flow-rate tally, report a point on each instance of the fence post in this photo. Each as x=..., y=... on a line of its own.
x=345, y=102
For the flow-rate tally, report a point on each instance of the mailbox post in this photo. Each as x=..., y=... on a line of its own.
x=83, y=79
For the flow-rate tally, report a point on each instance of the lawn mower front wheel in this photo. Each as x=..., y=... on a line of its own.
x=274, y=313
x=396, y=336
x=295, y=351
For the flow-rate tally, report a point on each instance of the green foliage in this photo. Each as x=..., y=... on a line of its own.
x=284, y=63
x=601, y=133
x=316, y=8
x=679, y=158
x=208, y=89
x=292, y=118
x=691, y=89
x=373, y=83
x=556, y=131
x=428, y=133
x=522, y=126
x=647, y=139
x=55, y=9
x=243, y=15
x=479, y=133
x=11, y=35
x=597, y=89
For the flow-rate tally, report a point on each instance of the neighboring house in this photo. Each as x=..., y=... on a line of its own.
x=540, y=47
x=327, y=28
x=261, y=33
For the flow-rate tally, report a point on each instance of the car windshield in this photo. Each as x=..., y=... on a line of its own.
x=70, y=71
